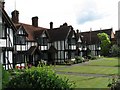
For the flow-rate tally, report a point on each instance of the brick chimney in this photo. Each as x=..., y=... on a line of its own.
x=35, y=21
x=51, y=25
x=15, y=16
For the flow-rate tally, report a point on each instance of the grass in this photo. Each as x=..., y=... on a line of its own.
x=101, y=66
x=0, y=76
x=91, y=69
x=87, y=82
x=105, y=62
x=107, y=66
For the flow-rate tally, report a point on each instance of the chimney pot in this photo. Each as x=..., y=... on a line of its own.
x=35, y=21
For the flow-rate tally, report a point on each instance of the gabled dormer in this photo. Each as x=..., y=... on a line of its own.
x=72, y=38
x=44, y=39
x=20, y=35
x=41, y=37
x=21, y=31
x=79, y=40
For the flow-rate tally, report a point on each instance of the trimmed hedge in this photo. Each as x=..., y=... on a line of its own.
x=39, y=78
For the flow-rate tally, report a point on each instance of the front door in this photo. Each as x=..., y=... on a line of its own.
x=51, y=57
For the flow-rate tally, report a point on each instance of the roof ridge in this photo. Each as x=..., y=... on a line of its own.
x=32, y=25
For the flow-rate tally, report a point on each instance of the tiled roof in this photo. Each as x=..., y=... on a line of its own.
x=91, y=37
x=30, y=29
x=58, y=34
x=38, y=33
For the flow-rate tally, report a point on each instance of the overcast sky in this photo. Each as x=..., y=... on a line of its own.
x=81, y=14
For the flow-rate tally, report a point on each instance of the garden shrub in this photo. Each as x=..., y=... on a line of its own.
x=39, y=78
x=70, y=61
x=79, y=59
x=92, y=57
x=115, y=84
x=5, y=77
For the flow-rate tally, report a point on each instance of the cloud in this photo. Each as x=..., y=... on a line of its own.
x=87, y=16
x=88, y=12
x=81, y=14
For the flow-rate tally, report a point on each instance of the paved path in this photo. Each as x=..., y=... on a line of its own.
x=83, y=74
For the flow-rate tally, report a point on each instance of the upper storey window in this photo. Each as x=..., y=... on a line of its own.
x=21, y=32
x=43, y=40
x=19, y=40
x=72, y=40
x=2, y=30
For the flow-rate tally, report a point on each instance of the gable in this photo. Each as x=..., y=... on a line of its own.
x=73, y=36
x=43, y=35
x=79, y=40
x=21, y=31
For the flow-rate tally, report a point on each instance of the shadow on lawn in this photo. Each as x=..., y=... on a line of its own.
x=89, y=78
x=117, y=65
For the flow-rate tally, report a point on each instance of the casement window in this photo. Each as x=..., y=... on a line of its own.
x=59, y=54
x=20, y=58
x=62, y=54
x=55, y=44
x=19, y=40
x=21, y=32
x=66, y=44
x=56, y=56
x=72, y=41
x=2, y=31
x=72, y=55
x=43, y=41
x=62, y=45
x=59, y=48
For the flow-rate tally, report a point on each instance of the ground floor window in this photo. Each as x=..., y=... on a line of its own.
x=19, y=58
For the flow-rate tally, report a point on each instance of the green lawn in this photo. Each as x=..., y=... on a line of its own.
x=91, y=69
x=105, y=62
x=0, y=76
x=87, y=82
x=100, y=66
x=107, y=66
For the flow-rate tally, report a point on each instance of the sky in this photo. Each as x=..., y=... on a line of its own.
x=81, y=14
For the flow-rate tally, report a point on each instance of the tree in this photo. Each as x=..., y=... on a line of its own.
x=105, y=43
